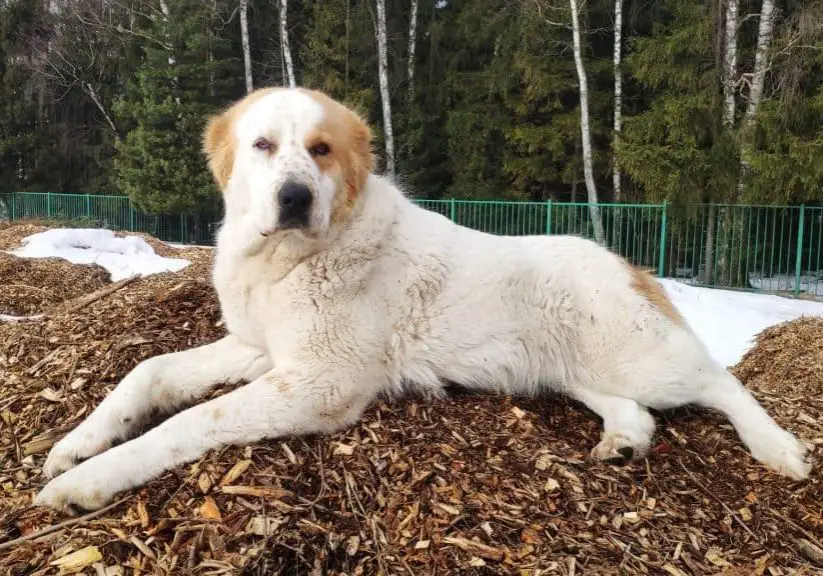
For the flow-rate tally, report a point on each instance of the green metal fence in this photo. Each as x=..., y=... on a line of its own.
x=112, y=212
x=775, y=249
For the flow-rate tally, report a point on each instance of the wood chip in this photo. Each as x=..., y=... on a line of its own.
x=235, y=472
x=78, y=560
x=209, y=509
x=270, y=492
x=51, y=395
x=140, y=545
x=264, y=525
x=476, y=548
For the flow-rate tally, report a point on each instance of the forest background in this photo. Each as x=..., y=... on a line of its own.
x=621, y=101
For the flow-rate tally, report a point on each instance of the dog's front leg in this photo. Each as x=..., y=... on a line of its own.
x=271, y=406
x=161, y=384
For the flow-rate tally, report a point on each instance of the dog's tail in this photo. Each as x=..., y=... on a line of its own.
x=767, y=441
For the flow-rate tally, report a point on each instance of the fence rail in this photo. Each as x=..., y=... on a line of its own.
x=774, y=249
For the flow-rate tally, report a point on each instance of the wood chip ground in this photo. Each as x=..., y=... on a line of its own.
x=468, y=484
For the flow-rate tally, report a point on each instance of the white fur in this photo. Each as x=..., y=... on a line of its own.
x=393, y=298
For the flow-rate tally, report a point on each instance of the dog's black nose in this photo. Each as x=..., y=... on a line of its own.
x=294, y=199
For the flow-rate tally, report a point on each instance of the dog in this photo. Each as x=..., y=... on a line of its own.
x=336, y=289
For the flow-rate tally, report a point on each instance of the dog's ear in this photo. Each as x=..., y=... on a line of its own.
x=218, y=144
x=361, y=158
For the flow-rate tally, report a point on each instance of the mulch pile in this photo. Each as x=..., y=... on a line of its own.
x=470, y=484
x=787, y=359
x=12, y=234
x=31, y=286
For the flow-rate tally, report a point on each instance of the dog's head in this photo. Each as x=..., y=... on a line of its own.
x=289, y=160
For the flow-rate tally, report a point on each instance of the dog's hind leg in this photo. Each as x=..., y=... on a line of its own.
x=696, y=379
x=767, y=441
x=627, y=426
x=162, y=383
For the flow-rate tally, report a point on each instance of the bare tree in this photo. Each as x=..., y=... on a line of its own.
x=383, y=70
x=618, y=93
x=81, y=54
x=244, y=33
x=588, y=172
x=284, y=42
x=412, y=41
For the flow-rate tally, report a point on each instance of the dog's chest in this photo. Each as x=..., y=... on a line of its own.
x=250, y=298
x=258, y=296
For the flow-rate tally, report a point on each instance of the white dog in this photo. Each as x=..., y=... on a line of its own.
x=335, y=288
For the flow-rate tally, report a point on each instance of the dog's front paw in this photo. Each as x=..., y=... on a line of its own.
x=89, y=486
x=82, y=443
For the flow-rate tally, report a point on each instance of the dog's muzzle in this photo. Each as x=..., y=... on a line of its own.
x=294, y=201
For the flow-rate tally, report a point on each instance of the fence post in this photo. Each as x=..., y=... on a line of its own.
x=48, y=204
x=182, y=228
x=661, y=264
x=13, y=211
x=453, y=210
x=88, y=206
x=548, y=217
x=798, y=259
x=131, y=216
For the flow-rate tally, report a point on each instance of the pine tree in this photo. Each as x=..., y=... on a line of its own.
x=676, y=147
x=159, y=163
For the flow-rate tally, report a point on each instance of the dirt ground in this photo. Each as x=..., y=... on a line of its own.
x=470, y=484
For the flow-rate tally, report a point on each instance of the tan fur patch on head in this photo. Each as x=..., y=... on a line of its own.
x=218, y=138
x=349, y=138
x=646, y=286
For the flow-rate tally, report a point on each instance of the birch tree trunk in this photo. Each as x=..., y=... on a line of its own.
x=730, y=63
x=618, y=92
x=164, y=10
x=761, y=64
x=244, y=33
x=172, y=60
x=588, y=173
x=384, y=85
x=211, y=47
x=284, y=43
x=617, y=228
x=412, y=41
x=348, y=32
x=729, y=80
x=96, y=99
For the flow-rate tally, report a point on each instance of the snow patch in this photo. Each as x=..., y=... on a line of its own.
x=727, y=321
x=811, y=283
x=122, y=257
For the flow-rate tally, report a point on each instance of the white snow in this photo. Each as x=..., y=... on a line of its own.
x=727, y=321
x=122, y=257
x=810, y=283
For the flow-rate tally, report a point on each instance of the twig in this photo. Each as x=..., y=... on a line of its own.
x=717, y=498
x=95, y=296
x=61, y=525
x=349, y=480
x=322, y=491
x=797, y=527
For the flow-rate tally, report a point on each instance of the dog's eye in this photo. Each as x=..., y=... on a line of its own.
x=321, y=149
x=263, y=144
